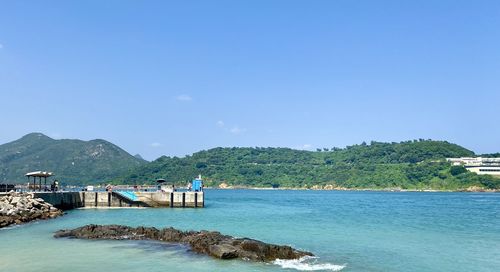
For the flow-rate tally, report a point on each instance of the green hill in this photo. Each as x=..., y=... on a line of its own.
x=407, y=165
x=73, y=161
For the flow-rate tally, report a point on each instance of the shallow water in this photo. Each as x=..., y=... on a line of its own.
x=348, y=231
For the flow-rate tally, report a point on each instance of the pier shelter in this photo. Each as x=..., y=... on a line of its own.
x=39, y=175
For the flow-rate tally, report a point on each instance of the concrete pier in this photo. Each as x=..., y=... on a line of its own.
x=71, y=200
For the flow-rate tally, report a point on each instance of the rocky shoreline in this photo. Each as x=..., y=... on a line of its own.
x=18, y=208
x=471, y=189
x=211, y=243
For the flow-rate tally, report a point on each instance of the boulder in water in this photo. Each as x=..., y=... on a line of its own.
x=211, y=243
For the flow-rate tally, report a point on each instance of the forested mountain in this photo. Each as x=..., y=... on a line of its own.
x=418, y=164
x=73, y=161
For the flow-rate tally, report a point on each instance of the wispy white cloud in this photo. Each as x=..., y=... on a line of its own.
x=1, y=46
x=231, y=129
x=156, y=144
x=237, y=130
x=184, y=98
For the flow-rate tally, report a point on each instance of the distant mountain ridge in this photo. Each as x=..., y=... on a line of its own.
x=139, y=157
x=73, y=161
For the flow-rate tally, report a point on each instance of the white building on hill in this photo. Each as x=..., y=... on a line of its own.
x=479, y=165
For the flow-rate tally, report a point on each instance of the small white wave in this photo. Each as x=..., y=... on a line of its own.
x=308, y=264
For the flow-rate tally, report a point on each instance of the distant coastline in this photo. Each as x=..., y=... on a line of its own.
x=467, y=190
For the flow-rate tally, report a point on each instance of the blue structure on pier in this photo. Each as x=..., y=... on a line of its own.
x=197, y=184
x=128, y=195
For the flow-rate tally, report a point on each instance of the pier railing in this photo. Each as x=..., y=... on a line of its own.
x=7, y=187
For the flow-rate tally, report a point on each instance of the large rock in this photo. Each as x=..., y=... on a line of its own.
x=17, y=208
x=223, y=251
x=207, y=242
x=15, y=200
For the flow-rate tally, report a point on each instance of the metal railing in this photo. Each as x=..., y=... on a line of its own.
x=7, y=187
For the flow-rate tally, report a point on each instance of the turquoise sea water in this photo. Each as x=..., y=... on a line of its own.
x=348, y=231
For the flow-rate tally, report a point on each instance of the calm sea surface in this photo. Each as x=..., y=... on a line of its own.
x=348, y=231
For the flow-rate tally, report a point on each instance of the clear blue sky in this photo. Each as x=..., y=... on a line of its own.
x=174, y=77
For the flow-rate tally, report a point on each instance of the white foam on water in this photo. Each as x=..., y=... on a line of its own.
x=308, y=263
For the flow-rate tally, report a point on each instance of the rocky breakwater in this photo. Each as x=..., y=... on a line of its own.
x=18, y=208
x=211, y=243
